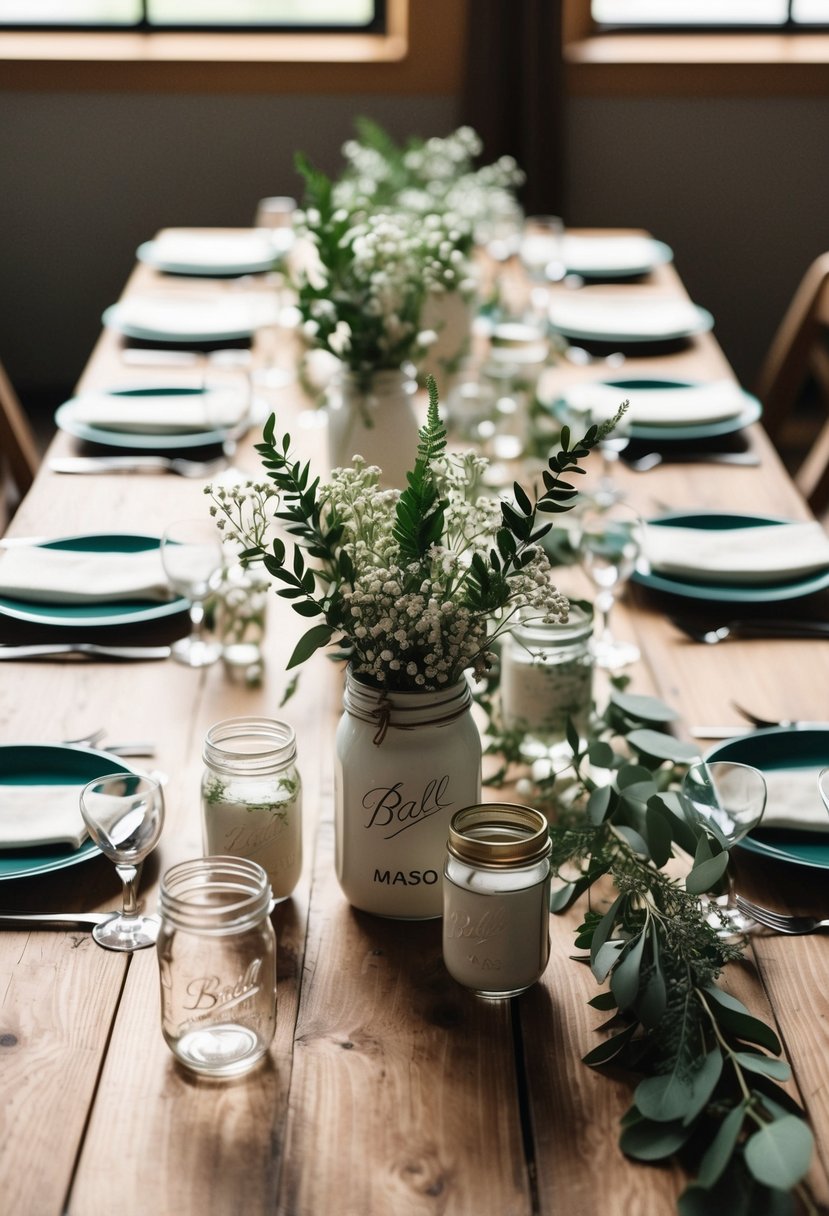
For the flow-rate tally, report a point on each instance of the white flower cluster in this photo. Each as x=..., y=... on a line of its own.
x=412, y=625
x=362, y=294
x=243, y=511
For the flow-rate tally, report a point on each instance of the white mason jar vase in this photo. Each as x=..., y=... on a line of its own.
x=450, y=315
x=376, y=420
x=405, y=763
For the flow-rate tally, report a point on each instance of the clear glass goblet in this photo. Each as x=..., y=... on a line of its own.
x=275, y=217
x=609, y=536
x=541, y=253
x=191, y=553
x=579, y=417
x=728, y=800
x=124, y=813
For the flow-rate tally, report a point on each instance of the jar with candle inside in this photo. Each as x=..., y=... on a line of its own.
x=546, y=679
x=251, y=795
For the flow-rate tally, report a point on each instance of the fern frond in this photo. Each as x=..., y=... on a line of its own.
x=420, y=510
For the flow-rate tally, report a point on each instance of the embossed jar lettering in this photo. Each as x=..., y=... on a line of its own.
x=406, y=761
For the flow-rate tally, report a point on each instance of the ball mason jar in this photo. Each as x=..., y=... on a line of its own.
x=405, y=762
x=217, y=961
x=251, y=796
x=546, y=678
x=496, y=898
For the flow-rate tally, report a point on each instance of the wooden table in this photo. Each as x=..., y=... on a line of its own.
x=389, y=1089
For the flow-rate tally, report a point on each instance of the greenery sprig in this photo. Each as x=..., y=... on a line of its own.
x=710, y=1090
x=413, y=583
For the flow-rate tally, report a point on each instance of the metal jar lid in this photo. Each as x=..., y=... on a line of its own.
x=498, y=834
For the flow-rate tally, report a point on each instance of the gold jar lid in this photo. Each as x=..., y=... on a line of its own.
x=498, y=834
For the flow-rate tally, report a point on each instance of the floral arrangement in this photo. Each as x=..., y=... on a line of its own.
x=367, y=275
x=437, y=174
x=412, y=586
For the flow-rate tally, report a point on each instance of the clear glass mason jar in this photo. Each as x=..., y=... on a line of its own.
x=241, y=618
x=546, y=677
x=373, y=416
x=405, y=761
x=217, y=960
x=251, y=797
x=496, y=898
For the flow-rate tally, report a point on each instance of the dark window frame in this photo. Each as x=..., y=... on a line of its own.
x=377, y=25
x=788, y=26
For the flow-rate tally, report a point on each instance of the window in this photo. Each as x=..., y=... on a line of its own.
x=740, y=14
x=287, y=15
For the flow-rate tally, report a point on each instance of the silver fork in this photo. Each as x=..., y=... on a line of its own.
x=132, y=464
x=765, y=723
x=794, y=926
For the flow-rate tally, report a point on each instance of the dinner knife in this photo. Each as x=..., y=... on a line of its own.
x=92, y=650
x=81, y=919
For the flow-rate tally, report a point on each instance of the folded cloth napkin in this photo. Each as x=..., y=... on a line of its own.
x=70, y=576
x=699, y=403
x=793, y=801
x=198, y=318
x=217, y=250
x=157, y=413
x=33, y=815
x=765, y=554
x=602, y=315
x=611, y=253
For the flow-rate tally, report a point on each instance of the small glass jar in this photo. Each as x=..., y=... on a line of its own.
x=546, y=678
x=496, y=898
x=217, y=959
x=251, y=797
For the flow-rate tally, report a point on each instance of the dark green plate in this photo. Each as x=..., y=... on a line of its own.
x=731, y=593
x=123, y=612
x=780, y=748
x=44, y=764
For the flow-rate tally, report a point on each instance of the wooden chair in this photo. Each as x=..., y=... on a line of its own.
x=800, y=349
x=19, y=456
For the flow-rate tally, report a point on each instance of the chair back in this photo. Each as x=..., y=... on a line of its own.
x=800, y=349
x=19, y=456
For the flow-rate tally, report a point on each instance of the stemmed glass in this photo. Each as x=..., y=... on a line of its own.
x=823, y=786
x=728, y=799
x=609, y=536
x=610, y=448
x=541, y=253
x=275, y=216
x=191, y=553
x=124, y=813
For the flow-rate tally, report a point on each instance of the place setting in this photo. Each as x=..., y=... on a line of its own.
x=620, y=320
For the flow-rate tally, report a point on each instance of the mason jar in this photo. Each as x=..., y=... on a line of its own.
x=546, y=678
x=217, y=960
x=496, y=898
x=405, y=762
x=251, y=797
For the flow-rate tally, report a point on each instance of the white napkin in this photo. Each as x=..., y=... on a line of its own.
x=599, y=314
x=39, y=815
x=794, y=801
x=612, y=254
x=157, y=413
x=69, y=576
x=699, y=403
x=737, y=555
x=197, y=318
x=211, y=250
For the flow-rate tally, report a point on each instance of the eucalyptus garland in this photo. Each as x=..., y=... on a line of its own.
x=710, y=1089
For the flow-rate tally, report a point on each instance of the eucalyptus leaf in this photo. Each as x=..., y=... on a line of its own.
x=611, y=1048
x=736, y=1193
x=662, y=747
x=603, y=1002
x=648, y=1141
x=605, y=927
x=706, y=874
x=648, y=709
x=598, y=804
x=626, y=978
x=750, y=1029
x=719, y=1152
x=766, y=1066
x=316, y=637
x=704, y=1081
x=633, y=838
x=664, y=1098
x=605, y=959
x=780, y=1154
x=601, y=754
x=658, y=827
x=632, y=774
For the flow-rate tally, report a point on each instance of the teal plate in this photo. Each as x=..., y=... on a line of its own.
x=656, y=253
x=666, y=434
x=148, y=253
x=140, y=441
x=119, y=612
x=781, y=748
x=702, y=322
x=42, y=764
x=765, y=593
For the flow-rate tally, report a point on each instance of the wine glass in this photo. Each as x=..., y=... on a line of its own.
x=541, y=253
x=823, y=786
x=609, y=536
x=191, y=553
x=579, y=415
x=275, y=217
x=728, y=800
x=124, y=813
